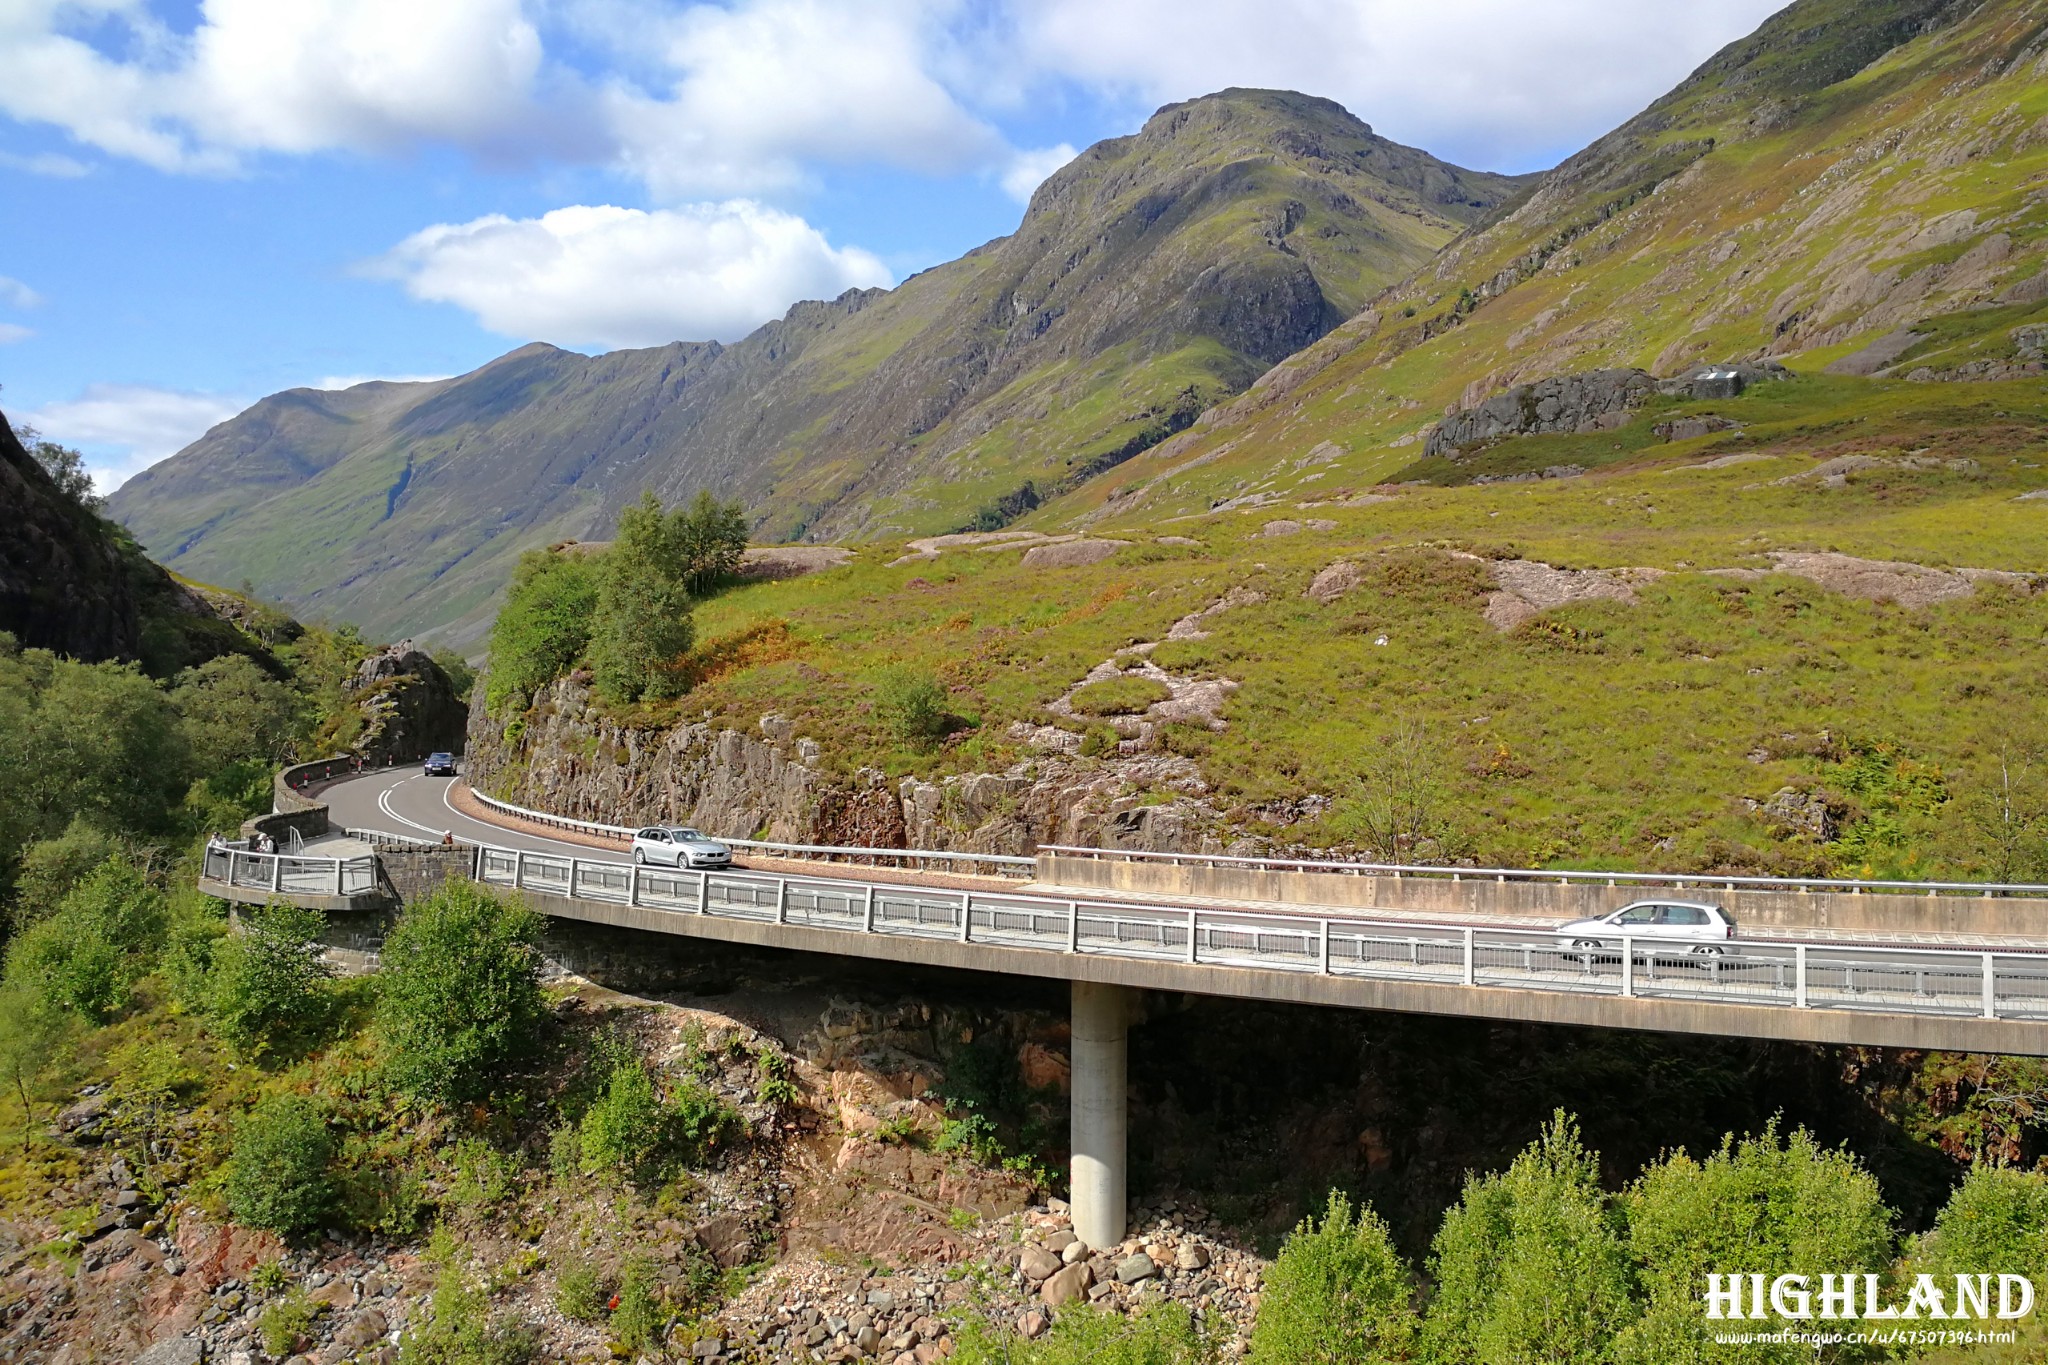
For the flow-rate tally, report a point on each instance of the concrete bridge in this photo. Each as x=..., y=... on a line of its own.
x=1923, y=965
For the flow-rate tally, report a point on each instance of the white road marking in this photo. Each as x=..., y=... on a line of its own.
x=384, y=804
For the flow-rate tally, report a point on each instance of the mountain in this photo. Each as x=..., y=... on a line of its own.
x=1855, y=188
x=1152, y=276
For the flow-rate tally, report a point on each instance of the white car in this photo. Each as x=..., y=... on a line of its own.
x=1705, y=928
x=679, y=846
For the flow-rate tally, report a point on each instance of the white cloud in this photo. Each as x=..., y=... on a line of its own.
x=11, y=332
x=47, y=164
x=766, y=88
x=15, y=294
x=627, y=277
x=259, y=75
x=1028, y=170
x=124, y=428
x=1485, y=80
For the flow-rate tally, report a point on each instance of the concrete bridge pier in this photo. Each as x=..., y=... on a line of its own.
x=1101, y=1068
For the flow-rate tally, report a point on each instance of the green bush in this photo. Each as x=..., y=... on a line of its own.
x=268, y=979
x=287, y=1321
x=1163, y=1334
x=640, y=1318
x=277, y=1174
x=52, y=868
x=912, y=703
x=642, y=632
x=459, y=998
x=1996, y=1223
x=1120, y=696
x=580, y=1290
x=460, y=1328
x=544, y=625
x=198, y=928
x=1337, y=1294
x=622, y=1129
x=87, y=956
x=1529, y=1265
x=232, y=712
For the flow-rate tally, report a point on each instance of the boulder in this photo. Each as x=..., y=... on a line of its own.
x=1135, y=1267
x=1066, y=1286
x=174, y=1351
x=1037, y=1263
x=409, y=706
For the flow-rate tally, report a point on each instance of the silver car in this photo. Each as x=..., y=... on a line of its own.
x=679, y=846
x=1705, y=928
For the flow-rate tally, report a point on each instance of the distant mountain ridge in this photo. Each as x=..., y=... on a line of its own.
x=1152, y=276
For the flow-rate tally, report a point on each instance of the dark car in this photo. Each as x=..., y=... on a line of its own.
x=440, y=765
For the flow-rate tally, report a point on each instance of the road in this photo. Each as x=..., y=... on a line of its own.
x=407, y=801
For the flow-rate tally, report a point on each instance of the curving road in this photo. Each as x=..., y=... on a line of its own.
x=406, y=801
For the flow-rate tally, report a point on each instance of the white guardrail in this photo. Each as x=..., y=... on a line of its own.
x=287, y=874
x=918, y=857
x=1676, y=880
x=1794, y=976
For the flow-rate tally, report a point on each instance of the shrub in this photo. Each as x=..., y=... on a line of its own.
x=579, y=1290
x=1163, y=1334
x=460, y=996
x=267, y=979
x=1995, y=1223
x=622, y=1129
x=1338, y=1293
x=912, y=702
x=88, y=955
x=1529, y=1265
x=460, y=1328
x=52, y=868
x=287, y=1321
x=277, y=1176
x=483, y=1176
x=639, y=1320
x=1121, y=696
x=641, y=633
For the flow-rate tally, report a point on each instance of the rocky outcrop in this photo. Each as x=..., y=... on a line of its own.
x=409, y=706
x=64, y=586
x=1597, y=400
x=567, y=757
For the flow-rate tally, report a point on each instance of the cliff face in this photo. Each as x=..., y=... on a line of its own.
x=409, y=706
x=64, y=584
x=567, y=758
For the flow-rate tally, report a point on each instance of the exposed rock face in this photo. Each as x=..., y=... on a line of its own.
x=409, y=705
x=570, y=759
x=1572, y=402
x=63, y=585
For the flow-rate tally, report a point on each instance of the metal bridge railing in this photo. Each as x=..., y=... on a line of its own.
x=1938, y=982
x=287, y=874
x=1673, y=880
x=1002, y=863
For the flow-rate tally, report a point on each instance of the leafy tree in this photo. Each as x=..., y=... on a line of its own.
x=643, y=630
x=1761, y=1205
x=913, y=703
x=622, y=1127
x=460, y=996
x=1996, y=1223
x=234, y=712
x=33, y=1030
x=1530, y=1266
x=460, y=674
x=267, y=979
x=1338, y=1294
x=51, y=868
x=88, y=955
x=705, y=543
x=277, y=1174
x=545, y=624
x=65, y=466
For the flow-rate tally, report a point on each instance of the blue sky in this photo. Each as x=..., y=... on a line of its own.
x=215, y=199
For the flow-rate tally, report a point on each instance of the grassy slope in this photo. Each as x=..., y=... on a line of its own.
x=1820, y=219
x=1587, y=735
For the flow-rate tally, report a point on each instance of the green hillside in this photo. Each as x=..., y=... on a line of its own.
x=1151, y=277
x=1855, y=187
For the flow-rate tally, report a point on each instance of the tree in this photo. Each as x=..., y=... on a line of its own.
x=65, y=466
x=1338, y=1294
x=545, y=624
x=267, y=979
x=1530, y=1266
x=277, y=1175
x=52, y=868
x=33, y=1028
x=1761, y=1206
x=2001, y=826
x=642, y=632
x=460, y=996
x=705, y=543
x=234, y=712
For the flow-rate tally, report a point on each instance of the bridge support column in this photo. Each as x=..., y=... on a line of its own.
x=1101, y=1069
